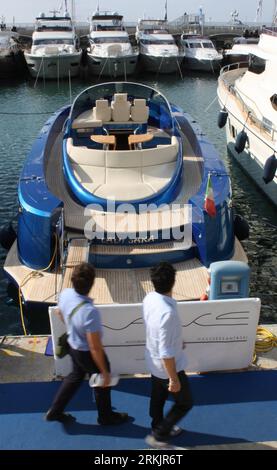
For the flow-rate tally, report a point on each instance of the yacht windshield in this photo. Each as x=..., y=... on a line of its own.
x=44, y=42
x=208, y=45
x=195, y=45
x=110, y=40
x=158, y=41
x=160, y=109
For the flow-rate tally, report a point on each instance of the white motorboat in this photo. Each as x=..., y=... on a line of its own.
x=158, y=49
x=200, y=53
x=248, y=97
x=110, y=52
x=55, y=51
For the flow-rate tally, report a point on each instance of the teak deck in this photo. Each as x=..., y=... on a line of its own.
x=111, y=286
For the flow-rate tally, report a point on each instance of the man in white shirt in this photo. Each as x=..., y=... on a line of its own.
x=165, y=357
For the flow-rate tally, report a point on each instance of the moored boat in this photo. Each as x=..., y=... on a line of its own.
x=247, y=96
x=119, y=179
x=110, y=52
x=55, y=51
x=159, y=52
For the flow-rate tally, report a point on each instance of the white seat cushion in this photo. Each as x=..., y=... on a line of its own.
x=124, y=159
x=139, y=111
x=89, y=174
x=85, y=156
x=86, y=120
x=161, y=154
x=124, y=192
x=120, y=108
x=102, y=111
x=123, y=175
x=158, y=176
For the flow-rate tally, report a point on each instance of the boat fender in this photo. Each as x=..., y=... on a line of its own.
x=222, y=118
x=206, y=295
x=241, y=141
x=270, y=169
x=7, y=236
x=241, y=228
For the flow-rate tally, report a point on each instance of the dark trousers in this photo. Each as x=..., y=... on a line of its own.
x=82, y=364
x=182, y=404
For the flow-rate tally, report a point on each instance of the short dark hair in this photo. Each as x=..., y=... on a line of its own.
x=83, y=278
x=163, y=277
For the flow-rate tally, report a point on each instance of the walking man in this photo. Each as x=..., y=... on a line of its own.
x=83, y=325
x=165, y=357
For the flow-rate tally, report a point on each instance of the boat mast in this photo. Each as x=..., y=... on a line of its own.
x=259, y=11
x=165, y=10
x=274, y=19
x=73, y=12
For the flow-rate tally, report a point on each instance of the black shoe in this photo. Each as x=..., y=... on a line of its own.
x=62, y=417
x=152, y=441
x=113, y=419
x=175, y=431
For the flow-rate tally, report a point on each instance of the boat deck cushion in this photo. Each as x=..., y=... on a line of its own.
x=86, y=120
x=139, y=111
x=102, y=111
x=124, y=175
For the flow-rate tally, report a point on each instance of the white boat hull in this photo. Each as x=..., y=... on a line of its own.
x=204, y=65
x=250, y=159
x=112, y=66
x=54, y=66
x=160, y=64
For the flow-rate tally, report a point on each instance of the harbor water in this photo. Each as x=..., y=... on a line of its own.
x=23, y=111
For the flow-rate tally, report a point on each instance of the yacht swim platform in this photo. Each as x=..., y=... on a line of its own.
x=112, y=286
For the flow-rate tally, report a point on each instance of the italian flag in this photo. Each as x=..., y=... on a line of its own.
x=209, y=204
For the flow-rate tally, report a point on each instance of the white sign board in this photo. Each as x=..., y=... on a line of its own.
x=219, y=335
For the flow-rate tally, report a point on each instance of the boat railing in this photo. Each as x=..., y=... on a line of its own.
x=236, y=66
x=263, y=124
x=271, y=31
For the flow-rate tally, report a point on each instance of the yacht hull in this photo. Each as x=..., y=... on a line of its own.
x=53, y=67
x=160, y=64
x=205, y=65
x=257, y=150
x=112, y=66
x=251, y=165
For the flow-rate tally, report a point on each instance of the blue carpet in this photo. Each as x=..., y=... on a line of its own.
x=229, y=408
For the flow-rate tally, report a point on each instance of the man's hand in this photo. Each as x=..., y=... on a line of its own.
x=174, y=385
x=106, y=379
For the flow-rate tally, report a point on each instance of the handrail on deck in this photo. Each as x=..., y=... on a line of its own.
x=250, y=111
x=237, y=65
x=271, y=31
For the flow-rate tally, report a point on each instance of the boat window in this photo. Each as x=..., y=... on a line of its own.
x=110, y=40
x=40, y=42
x=195, y=45
x=208, y=45
x=256, y=64
x=273, y=100
x=158, y=41
x=267, y=125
